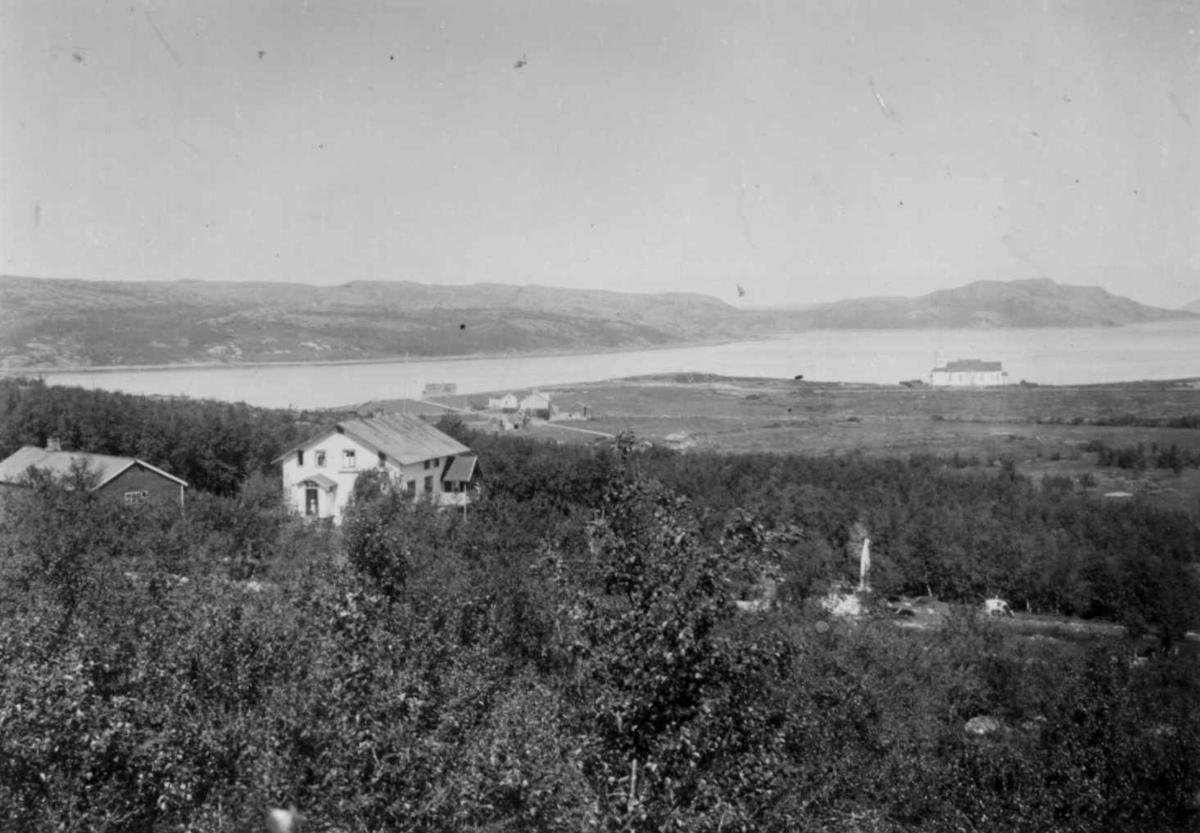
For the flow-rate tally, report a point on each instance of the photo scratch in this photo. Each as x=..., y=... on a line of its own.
x=883, y=105
x=163, y=39
x=1182, y=113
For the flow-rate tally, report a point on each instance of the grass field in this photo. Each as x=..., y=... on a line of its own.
x=1041, y=430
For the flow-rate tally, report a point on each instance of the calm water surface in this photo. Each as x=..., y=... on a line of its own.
x=1048, y=356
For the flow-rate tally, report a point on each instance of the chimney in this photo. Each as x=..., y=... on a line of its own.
x=53, y=444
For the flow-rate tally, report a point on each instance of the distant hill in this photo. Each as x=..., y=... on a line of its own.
x=71, y=323
x=1025, y=303
x=1194, y=306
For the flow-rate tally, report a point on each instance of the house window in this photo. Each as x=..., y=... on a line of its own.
x=299, y=458
x=349, y=460
x=412, y=488
x=428, y=484
x=135, y=498
x=427, y=462
x=321, y=459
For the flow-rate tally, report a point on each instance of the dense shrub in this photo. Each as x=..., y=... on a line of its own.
x=567, y=656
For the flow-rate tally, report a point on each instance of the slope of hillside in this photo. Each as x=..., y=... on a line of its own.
x=1026, y=303
x=1194, y=306
x=48, y=323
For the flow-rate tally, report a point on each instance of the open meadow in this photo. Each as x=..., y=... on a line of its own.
x=1041, y=431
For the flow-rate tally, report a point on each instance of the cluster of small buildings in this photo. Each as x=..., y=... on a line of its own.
x=537, y=405
x=509, y=411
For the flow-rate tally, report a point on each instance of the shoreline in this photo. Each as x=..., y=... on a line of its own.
x=51, y=370
x=473, y=357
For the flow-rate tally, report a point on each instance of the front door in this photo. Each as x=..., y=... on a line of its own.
x=310, y=502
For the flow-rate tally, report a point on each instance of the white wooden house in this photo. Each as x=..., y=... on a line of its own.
x=968, y=373
x=537, y=404
x=508, y=402
x=319, y=474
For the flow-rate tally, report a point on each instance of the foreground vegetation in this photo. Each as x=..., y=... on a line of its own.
x=566, y=655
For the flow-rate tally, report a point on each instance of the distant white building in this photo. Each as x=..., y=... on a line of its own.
x=537, y=404
x=508, y=402
x=319, y=474
x=968, y=373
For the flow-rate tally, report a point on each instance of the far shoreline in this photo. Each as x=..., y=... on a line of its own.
x=40, y=370
x=524, y=354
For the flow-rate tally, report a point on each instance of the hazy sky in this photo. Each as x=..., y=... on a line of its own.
x=807, y=151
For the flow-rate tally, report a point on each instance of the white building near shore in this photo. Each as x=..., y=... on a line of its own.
x=968, y=373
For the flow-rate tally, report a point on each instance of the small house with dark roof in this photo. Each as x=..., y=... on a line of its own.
x=127, y=479
x=968, y=373
x=319, y=474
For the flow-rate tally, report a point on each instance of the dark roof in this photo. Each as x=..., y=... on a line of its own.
x=60, y=463
x=968, y=366
x=461, y=469
x=402, y=438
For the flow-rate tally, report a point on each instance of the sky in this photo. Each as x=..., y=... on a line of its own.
x=806, y=151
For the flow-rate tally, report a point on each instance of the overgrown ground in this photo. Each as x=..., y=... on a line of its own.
x=1042, y=430
x=568, y=654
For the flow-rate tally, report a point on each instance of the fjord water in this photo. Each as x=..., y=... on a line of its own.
x=1056, y=356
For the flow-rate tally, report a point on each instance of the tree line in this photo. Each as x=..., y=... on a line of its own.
x=214, y=446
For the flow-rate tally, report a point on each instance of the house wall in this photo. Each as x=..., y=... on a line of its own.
x=139, y=479
x=976, y=378
x=508, y=402
x=331, y=503
x=416, y=473
x=535, y=402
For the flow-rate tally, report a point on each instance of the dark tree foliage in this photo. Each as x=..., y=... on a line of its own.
x=214, y=446
x=962, y=535
x=568, y=655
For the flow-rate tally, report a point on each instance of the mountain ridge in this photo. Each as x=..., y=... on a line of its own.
x=1034, y=302
x=49, y=323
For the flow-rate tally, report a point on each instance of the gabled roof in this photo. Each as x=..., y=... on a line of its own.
x=402, y=438
x=60, y=463
x=461, y=469
x=968, y=366
x=326, y=483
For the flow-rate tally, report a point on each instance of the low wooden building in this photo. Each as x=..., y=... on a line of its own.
x=127, y=479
